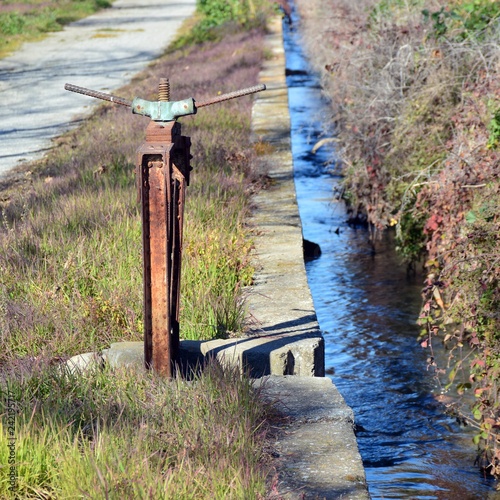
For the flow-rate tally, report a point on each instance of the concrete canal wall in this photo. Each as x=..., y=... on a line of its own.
x=319, y=457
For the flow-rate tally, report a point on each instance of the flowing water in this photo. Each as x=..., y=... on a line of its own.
x=367, y=306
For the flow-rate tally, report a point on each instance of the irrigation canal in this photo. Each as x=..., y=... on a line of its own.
x=367, y=306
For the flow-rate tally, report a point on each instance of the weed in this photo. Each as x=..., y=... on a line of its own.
x=463, y=20
x=494, y=129
x=218, y=18
x=112, y=434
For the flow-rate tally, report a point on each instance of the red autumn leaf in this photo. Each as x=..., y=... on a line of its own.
x=433, y=223
x=477, y=362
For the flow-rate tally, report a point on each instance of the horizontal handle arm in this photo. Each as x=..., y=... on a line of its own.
x=231, y=95
x=98, y=95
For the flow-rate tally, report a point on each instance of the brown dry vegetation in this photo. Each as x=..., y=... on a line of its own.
x=70, y=239
x=415, y=96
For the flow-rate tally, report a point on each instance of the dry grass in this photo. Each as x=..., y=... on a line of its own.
x=71, y=259
x=122, y=434
x=70, y=282
x=394, y=87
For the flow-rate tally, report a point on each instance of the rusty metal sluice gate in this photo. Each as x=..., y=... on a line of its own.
x=162, y=174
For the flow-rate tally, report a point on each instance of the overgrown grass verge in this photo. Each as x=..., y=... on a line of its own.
x=29, y=20
x=71, y=282
x=415, y=96
x=214, y=19
x=128, y=435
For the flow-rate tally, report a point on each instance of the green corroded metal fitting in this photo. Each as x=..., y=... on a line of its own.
x=163, y=111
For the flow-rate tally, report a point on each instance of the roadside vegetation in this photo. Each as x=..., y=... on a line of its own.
x=71, y=282
x=124, y=434
x=30, y=20
x=415, y=94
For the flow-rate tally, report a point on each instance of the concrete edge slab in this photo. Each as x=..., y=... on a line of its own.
x=279, y=302
x=319, y=457
x=318, y=453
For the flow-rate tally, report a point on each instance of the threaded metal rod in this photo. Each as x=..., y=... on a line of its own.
x=98, y=95
x=231, y=95
x=164, y=90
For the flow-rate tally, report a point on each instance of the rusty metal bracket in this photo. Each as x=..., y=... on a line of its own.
x=162, y=173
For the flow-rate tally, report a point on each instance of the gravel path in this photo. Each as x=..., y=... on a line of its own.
x=101, y=52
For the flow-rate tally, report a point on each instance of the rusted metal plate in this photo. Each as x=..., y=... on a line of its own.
x=163, y=172
x=160, y=270
x=156, y=270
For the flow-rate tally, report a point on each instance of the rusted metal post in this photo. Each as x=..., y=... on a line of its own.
x=163, y=166
x=163, y=174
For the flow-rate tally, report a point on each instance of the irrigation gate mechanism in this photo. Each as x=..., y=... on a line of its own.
x=162, y=173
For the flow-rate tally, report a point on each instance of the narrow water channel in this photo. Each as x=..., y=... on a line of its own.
x=367, y=306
